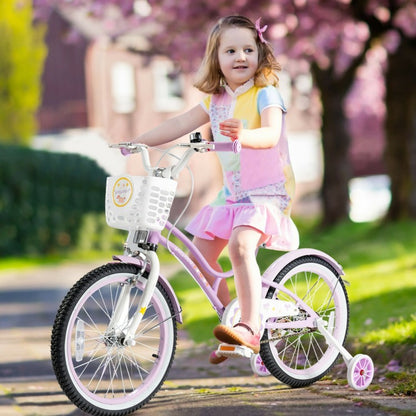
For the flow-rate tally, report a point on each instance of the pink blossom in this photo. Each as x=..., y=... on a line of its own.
x=394, y=366
x=405, y=19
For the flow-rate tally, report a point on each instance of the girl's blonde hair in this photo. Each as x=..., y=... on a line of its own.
x=210, y=78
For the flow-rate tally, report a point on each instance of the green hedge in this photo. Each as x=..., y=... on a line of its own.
x=49, y=202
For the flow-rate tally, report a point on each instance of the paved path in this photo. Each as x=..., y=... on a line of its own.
x=28, y=302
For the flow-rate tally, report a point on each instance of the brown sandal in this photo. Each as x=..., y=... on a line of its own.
x=235, y=337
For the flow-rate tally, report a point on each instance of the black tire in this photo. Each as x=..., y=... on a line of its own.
x=300, y=357
x=97, y=372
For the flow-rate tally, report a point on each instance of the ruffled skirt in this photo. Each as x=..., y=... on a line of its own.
x=219, y=221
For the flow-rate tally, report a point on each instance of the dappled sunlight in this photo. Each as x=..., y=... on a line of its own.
x=395, y=333
x=375, y=316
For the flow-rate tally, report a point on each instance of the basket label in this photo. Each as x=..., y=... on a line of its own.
x=122, y=192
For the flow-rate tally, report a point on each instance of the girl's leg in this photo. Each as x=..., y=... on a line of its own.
x=211, y=250
x=242, y=249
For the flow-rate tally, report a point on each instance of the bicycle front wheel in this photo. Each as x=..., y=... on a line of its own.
x=300, y=356
x=96, y=370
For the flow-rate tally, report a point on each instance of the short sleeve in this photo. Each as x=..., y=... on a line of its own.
x=270, y=97
x=206, y=102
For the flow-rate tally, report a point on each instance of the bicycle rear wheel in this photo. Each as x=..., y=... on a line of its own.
x=300, y=356
x=97, y=372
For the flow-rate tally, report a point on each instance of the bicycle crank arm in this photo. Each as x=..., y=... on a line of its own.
x=152, y=279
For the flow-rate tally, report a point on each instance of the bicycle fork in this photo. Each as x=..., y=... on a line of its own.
x=119, y=322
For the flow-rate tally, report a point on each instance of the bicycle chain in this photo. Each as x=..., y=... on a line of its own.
x=291, y=334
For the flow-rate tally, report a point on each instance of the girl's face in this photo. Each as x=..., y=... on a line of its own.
x=237, y=56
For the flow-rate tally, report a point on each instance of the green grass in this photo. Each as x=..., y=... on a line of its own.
x=71, y=255
x=380, y=265
x=22, y=263
x=404, y=384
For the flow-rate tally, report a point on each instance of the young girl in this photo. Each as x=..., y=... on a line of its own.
x=239, y=74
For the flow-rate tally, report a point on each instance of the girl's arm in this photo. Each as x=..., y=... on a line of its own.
x=262, y=138
x=175, y=127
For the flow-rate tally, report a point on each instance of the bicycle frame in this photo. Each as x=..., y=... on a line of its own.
x=198, y=274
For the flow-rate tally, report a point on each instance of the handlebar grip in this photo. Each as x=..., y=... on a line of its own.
x=125, y=152
x=234, y=147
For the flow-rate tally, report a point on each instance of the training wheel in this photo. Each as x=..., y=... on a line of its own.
x=360, y=372
x=258, y=366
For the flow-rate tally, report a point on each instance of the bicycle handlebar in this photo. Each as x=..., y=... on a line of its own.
x=127, y=148
x=235, y=147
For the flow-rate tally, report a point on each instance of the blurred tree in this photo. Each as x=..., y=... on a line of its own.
x=333, y=37
x=401, y=129
x=22, y=53
x=396, y=21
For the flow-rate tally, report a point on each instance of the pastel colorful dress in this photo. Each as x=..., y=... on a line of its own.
x=258, y=183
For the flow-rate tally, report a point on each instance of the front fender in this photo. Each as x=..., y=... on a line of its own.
x=288, y=257
x=162, y=280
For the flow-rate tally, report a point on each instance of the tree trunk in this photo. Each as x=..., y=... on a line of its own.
x=335, y=141
x=337, y=170
x=400, y=153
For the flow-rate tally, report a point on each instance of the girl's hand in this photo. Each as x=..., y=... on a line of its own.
x=232, y=128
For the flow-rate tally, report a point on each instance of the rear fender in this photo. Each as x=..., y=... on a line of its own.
x=288, y=257
x=162, y=280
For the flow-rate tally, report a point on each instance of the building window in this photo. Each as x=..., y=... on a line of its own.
x=168, y=87
x=123, y=88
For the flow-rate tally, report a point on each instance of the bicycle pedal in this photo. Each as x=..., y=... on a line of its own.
x=234, y=351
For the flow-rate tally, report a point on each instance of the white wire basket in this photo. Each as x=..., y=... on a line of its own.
x=138, y=202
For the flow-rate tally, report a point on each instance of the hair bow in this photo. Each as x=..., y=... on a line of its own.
x=261, y=30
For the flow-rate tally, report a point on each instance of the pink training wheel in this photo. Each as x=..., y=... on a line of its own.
x=360, y=372
x=258, y=366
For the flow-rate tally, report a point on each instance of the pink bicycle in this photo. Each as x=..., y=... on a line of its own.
x=114, y=336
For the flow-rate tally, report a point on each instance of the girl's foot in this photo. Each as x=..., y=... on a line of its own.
x=240, y=334
x=216, y=359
